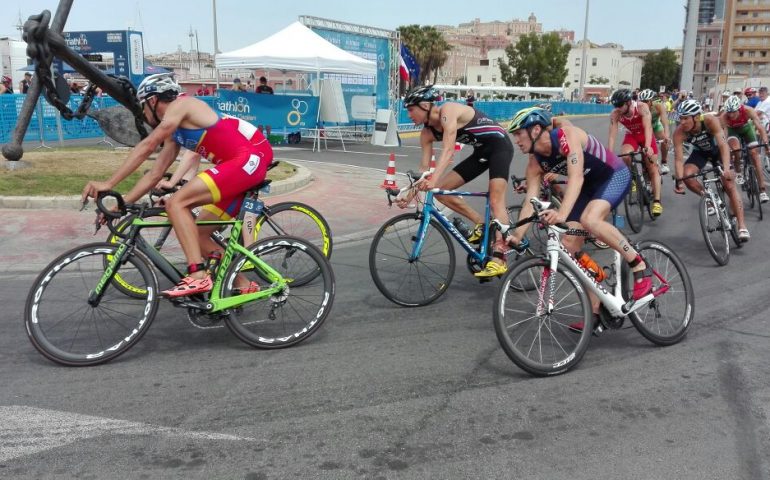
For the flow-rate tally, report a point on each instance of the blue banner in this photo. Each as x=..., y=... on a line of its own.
x=287, y=113
x=125, y=47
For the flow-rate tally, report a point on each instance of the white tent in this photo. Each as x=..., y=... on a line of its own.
x=297, y=48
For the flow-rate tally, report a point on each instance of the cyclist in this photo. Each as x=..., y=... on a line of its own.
x=741, y=122
x=704, y=133
x=637, y=119
x=187, y=121
x=492, y=150
x=659, y=118
x=597, y=181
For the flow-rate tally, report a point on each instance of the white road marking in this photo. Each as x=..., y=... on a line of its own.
x=29, y=430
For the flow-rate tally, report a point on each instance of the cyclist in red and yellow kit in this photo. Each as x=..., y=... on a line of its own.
x=636, y=117
x=189, y=122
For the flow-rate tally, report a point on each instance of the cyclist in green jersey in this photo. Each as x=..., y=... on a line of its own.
x=742, y=122
x=659, y=124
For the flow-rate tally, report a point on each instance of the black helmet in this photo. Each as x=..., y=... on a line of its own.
x=620, y=97
x=420, y=94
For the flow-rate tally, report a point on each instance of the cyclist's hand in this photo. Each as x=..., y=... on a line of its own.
x=164, y=185
x=92, y=189
x=728, y=174
x=552, y=217
x=550, y=177
x=405, y=200
x=427, y=183
x=519, y=245
x=520, y=187
x=679, y=187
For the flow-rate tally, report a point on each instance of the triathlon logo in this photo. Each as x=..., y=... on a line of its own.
x=240, y=105
x=300, y=107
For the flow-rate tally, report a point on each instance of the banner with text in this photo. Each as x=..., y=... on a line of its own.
x=286, y=113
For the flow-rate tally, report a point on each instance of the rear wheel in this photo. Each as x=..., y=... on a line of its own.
x=298, y=220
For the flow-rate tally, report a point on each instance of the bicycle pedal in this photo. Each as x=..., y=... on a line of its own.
x=484, y=280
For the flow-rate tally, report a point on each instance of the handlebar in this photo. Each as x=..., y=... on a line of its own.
x=413, y=177
x=749, y=147
x=702, y=173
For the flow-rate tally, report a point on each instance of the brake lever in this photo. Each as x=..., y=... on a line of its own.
x=83, y=204
x=97, y=221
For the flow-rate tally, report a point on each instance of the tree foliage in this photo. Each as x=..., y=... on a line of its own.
x=594, y=80
x=536, y=60
x=429, y=48
x=660, y=68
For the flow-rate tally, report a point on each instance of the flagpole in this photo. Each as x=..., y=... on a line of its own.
x=216, y=42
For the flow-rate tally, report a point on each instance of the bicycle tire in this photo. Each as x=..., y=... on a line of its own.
x=103, y=332
x=666, y=319
x=522, y=338
x=753, y=181
x=395, y=276
x=732, y=219
x=632, y=203
x=162, y=239
x=278, y=321
x=298, y=220
x=714, y=233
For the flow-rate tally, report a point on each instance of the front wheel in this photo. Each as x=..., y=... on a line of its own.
x=406, y=281
x=298, y=220
x=665, y=320
x=65, y=328
x=712, y=226
x=540, y=341
x=294, y=313
x=633, y=203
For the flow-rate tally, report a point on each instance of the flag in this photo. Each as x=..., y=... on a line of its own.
x=408, y=66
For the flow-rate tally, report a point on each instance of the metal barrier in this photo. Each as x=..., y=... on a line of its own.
x=502, y=111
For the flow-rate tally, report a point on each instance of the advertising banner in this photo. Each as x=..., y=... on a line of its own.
x=287, y=113
x=123, y=48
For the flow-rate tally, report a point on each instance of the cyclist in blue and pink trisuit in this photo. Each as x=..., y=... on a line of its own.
x=597, y=181
x=239, y=165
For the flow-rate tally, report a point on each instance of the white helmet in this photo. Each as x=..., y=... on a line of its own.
x=689, y=107
x=646, y=95
x=156, y=85
x=732, y=104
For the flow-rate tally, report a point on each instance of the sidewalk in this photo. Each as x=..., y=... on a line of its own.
x=348, y=197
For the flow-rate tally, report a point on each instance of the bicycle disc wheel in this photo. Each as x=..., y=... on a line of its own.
x=162, y=239
x=66, y=329
x=291, y=315
x=714, y=232
x=298, y=220
x=542, y=343
x=411, y=283
x=665, y=320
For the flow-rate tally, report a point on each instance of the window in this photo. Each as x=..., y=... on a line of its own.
x=708, y=54
x=478, y=78
x=577, y=61
x=708, y=67
x=709, y=41
x=764, y=53
x=593, y=62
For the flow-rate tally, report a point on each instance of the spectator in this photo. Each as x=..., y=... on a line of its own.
x=237, y=85
x=6, y=86
x=707, y=103
x=203, y=91
x=470, y=98
x=74, y=87
x=763, y=107
x=248, y=86
x=263, y=87
x=24, y=84
x=751, y=97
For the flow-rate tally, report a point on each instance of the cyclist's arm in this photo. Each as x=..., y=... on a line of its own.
x=190, y=163
x=679, y=152
x=448, y=116
x=426, y=143
x=757, y=124
x=613, y=130
x=559, y=122
x=164, y=160
x=571, y=147
x=663, y=116
x=534, y=175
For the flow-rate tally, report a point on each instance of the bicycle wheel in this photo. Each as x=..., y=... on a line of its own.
x=753, y=190
x=731, y=224
x=162, y=239
x=298, y=220
x=665, y=320
x=411, y=283
x=633, y=203
x=292, y=315
x=63, y=326
x=714, y=232
x=647, y=195
x=542, y=343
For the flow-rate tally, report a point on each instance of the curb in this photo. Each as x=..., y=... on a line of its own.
x=302, y=178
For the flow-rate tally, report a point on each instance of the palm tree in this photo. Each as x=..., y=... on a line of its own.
x=428, y=47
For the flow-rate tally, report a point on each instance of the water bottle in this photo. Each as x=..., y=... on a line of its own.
x=461, y=227
x=590, y=264
x=212, y=262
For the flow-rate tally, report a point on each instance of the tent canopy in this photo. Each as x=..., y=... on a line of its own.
x=297, y=48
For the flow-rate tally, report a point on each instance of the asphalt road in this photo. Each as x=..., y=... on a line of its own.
x=387, y=392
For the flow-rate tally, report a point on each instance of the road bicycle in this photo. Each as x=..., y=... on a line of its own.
x=639, y=198
x=76, y=313
x=546, y=330
x=750, y=178
x=715, y=222
x=412, y=259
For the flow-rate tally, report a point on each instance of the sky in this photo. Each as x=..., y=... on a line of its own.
x=166, y=24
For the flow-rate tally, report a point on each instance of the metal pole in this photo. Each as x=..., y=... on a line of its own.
x=583, y=60
x=216, y=42
x=688, y=53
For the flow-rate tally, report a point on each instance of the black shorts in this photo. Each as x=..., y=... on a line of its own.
x=495, y=156
x=699, y=158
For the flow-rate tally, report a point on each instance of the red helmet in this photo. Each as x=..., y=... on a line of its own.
x=750, y=91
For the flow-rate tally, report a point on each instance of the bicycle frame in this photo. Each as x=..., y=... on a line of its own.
x=430, y=211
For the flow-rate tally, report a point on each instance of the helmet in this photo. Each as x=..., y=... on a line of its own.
x=529, y=117
x=750, y=90
x=726, y=93
x=236, y=80
x=689, y=107
x=545, y=106
x=646, y=95
x=420, y=94
x=620, y=97
x=7, y=79
x=732, y=104
x=156, y=85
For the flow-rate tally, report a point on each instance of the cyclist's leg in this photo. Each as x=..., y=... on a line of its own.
x=499, y=161
x=736, y=205
x=652, y=170
x=694, y=164
x=751, y=141
x=463, y=173
x=734, y=143
x=657, y=129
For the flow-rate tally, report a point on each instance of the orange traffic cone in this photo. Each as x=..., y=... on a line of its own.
x=390, y=173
